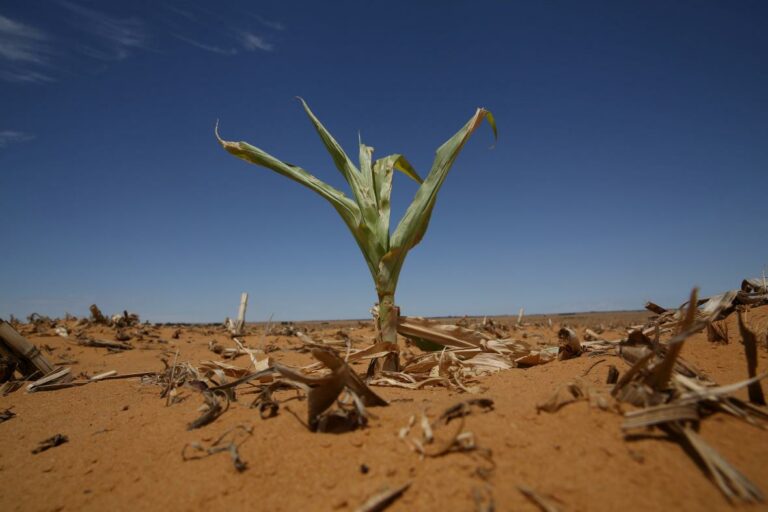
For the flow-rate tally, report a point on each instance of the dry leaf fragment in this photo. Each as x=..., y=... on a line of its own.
x=323, y=391
x=6, y=415
x=655, y=308
x=228, y=369
x=456, y=440
x=426, y=429
x=219, y=445
x=660, y=373
x=102, y=376
x=483, y=499
x=488, y=362
x=465, y=407
x=383, y=499
x=537, y=357
x=337, y=365
x=403, y=432
x=731, y=482
x=439, y=334
x=717, y=332
x=379, y=349
x=213, y=411
x=111, y=345
x=755, y=285
x=586, y=372
x=437, y=440
x=545, y=504
x=264, y=401
x=56, y=376
x=590, y=335
x=390, y=380
x=750, y=350
x=660, y=414
x=51, y=442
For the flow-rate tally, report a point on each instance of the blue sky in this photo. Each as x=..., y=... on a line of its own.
x=630, y=165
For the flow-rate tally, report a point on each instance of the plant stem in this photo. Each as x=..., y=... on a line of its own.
x=388, y=316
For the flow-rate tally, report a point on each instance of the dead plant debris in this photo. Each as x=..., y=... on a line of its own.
x=546, y=504
x=659, y=390
x=323, y=391
x=383, y=499
x=51, y=442
x=212, y=409
x=230, y=441
x=437, y=438
x=750, y=351
x=6, y=414
x=672, y=395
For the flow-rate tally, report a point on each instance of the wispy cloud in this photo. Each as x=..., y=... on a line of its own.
x=22, y=43
x=182, y=12
x=274, y=25
x=27, y=53
x=85, y=35
x=214, y=30
x=119, y=35
x=252, y=42
x=24, y=50
x=207, y=47
x=24, y=76
x=8, y=137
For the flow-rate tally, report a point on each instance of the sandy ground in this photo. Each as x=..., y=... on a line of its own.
x=125, y=444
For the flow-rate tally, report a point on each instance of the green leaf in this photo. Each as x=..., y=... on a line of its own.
x=346, y=207
x=360, y=184
x=362, y=224
x=366, y=167
x=414, y=223
x=404, y=166
x=340, y=158
x=369, y=236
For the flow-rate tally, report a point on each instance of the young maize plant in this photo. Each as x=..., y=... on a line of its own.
x=367, y=214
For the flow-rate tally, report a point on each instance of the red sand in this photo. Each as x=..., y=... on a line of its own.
x=124, y=449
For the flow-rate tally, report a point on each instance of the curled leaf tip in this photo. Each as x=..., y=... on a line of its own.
x=216, y=132
x=224, y=143
x=491, y=121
